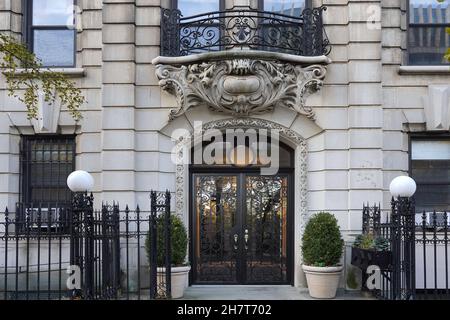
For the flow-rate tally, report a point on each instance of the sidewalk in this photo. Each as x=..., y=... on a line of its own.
x=260, y=293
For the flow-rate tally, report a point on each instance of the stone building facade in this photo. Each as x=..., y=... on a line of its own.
x=367, y=103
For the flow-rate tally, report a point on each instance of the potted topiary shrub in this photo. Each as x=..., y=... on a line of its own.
x=322, y=251
x=179, y=240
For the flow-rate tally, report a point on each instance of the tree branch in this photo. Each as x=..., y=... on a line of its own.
x=34, y=80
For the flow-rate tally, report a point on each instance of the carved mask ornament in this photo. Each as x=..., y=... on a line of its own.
x=242, y=86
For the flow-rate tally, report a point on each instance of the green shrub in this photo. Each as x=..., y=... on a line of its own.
x=322, y=242
x=370, y=242
x=382, y=244
x=179, y=241
x=365, y=241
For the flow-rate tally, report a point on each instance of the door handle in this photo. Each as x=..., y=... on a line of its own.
x=236, y=242
x=246, y=238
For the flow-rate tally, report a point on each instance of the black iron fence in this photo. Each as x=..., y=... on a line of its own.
x=243, y=29
x=416, y=264
x=77, y=252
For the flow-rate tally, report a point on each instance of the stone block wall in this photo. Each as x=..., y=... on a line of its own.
x=11, y=20
x=358, y=143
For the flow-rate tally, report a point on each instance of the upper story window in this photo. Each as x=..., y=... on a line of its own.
x=193, y=7
x=427, y=38
x=288, y=7
x=51, y=31
x=430, y=167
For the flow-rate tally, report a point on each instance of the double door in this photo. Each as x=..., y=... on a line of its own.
x=241, y=228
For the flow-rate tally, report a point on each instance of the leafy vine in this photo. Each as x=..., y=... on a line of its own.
x=26, y=80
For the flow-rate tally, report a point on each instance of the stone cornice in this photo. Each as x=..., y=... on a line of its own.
x=68, y=72
x=241, y=54
x=424, y=70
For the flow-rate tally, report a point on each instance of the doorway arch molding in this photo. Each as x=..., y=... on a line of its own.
x=288, y=136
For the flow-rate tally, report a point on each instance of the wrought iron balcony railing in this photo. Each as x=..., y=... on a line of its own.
x=243, y=29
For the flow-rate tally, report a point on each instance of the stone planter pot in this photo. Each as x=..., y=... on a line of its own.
x=179, y=276
x=323, y=281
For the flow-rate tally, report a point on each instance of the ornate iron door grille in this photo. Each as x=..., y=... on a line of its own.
x=241, y=226
x=265, y=233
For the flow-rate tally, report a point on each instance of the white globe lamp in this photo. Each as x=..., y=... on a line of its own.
x=403, y=186
x=80, y=181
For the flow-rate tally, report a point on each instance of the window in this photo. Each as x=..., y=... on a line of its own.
x=273, y=32
x=430, y=167
x=243, y=154
x=46, y=162
x=190, y=8
x=208, y=26
x=51, y=31
x=427, y=39
x=287, y=7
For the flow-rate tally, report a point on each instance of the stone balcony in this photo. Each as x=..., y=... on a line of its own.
x=242, y=62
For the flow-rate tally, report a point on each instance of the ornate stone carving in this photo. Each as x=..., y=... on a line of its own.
x=301, y=188
x=254, y=123
x=48, y=115
x=241, y=86
x=437, y=107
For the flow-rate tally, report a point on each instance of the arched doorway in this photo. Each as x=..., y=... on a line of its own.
x=242, y=222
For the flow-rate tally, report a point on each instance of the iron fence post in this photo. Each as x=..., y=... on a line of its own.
x=446, y=223
x=403, y=248
x=83, y=233
x=89, y=292
x=153, y=247
x=106, y=281
x=116, y=249
x=5, y=284
x=168, y=262
x=409, y=246
x=395, y=247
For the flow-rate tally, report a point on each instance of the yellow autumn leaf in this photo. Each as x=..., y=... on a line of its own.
x=447, y=54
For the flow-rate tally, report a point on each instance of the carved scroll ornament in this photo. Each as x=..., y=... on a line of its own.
x=241, y=87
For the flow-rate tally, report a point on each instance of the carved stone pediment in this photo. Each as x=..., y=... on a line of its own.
x=240, y=85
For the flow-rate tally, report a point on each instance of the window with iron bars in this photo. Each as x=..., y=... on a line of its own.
x=45, y=163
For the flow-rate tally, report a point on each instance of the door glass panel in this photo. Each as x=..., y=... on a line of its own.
x=266, y=229
x=215, y=227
